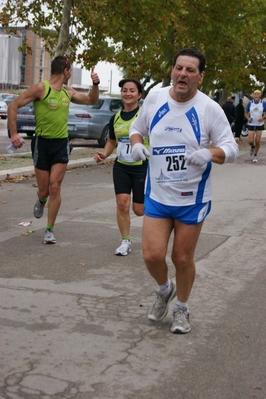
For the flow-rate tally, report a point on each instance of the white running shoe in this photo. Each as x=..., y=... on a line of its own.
x=49, y=237
x=124, y=249
x=255, y=159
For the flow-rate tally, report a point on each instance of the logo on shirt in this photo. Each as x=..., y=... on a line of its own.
x=124, y=140
x=186, y=193
x=52, y=103
x=194, y=122
x=159, y=115
x=163, y=111
x=173, y=150
x=65, y=102
x=173, y=129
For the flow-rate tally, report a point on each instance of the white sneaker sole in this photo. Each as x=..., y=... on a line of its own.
x=123, y=253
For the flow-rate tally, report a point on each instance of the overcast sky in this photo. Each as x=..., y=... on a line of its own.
x=109, y=75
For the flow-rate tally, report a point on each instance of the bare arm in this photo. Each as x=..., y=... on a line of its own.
x=136, y=138
x=90, y=98
x=35, y=92
x=218, y=155
x=108, y=150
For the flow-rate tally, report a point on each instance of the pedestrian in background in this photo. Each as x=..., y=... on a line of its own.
x=50, y=145
x=128, y=175
x=240, y=116
x=230, y=110
x=254, y=114
x=180, y=122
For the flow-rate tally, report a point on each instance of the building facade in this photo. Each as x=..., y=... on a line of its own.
x=9, y=70
x=22, y=69
x=19, y=70
x=36, y=65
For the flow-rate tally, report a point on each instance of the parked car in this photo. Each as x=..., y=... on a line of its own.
x=92, y=121
x=3, y=96
x=9, y=98
x=89, y=122
x=25, y=120
x=5, y=99
x=3, y=109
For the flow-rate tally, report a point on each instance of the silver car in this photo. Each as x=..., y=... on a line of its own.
x=84, y=121
x=25, y=120
x=92, y=121
x=3, y=110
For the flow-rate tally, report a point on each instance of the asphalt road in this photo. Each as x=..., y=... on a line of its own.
x=73, y=316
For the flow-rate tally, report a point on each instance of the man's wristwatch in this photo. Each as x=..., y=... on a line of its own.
x=96, y=84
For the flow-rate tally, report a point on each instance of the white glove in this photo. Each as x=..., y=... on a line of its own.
x=199, y=158
x=139, y=152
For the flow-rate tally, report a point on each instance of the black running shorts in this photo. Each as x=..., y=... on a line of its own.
x=129, y=179
x=258, y=127
x=47, y=152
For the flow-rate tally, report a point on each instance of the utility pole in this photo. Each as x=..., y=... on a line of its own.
x=111, y=73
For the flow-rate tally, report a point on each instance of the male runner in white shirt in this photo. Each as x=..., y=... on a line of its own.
x=181, y=122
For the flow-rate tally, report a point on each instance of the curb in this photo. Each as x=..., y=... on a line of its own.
x=29, y=170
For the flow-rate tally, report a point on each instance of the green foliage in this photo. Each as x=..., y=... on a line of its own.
x=142, y=37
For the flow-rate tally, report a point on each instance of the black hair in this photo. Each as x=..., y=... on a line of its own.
x=133, y=80
x=59, y=64
x=191, y=52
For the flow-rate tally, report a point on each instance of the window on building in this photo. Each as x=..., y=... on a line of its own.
x=23, y=58
x=23, y=74
x=41, y=75
x=41, y=56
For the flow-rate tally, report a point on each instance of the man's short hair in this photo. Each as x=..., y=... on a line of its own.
x=59, y=64
x=257, y=92
x=191, y=52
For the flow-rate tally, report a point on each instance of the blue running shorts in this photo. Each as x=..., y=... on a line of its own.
x=190, y=214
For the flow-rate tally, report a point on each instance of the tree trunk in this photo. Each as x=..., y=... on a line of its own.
x=64, y=29
x=224, y=97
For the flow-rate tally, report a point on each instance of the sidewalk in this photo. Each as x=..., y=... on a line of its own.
x=29, y=170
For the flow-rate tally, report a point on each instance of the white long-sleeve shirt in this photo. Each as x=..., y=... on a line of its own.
x=176, y=130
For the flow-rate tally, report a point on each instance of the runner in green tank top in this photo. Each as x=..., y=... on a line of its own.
x=50, y=146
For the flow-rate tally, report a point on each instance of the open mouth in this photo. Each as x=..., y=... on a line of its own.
x=181, y=84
